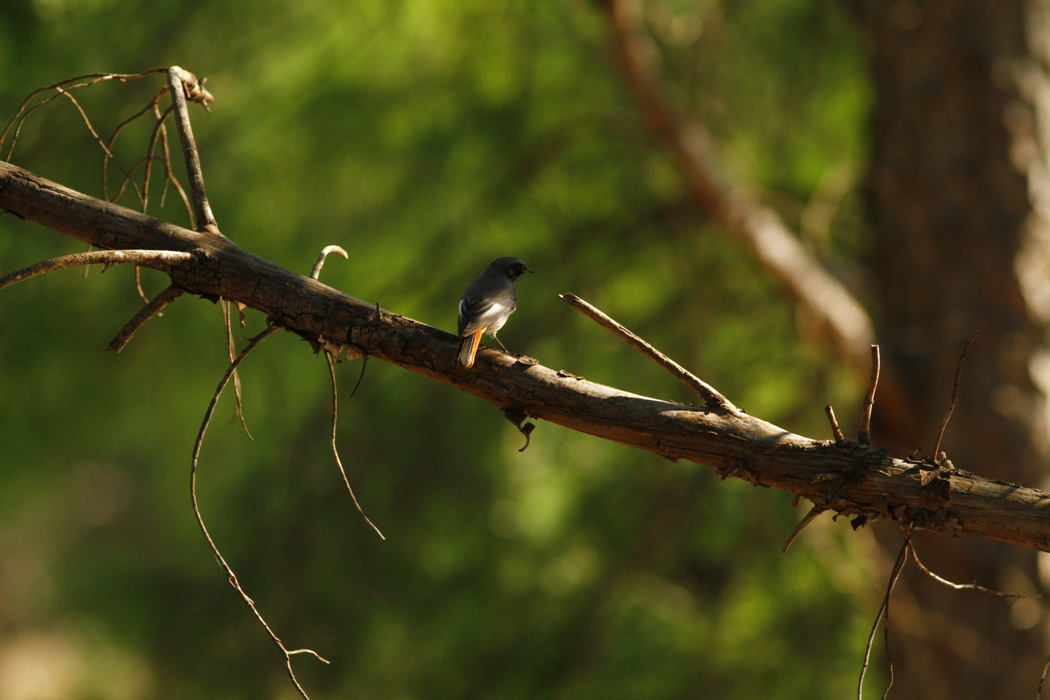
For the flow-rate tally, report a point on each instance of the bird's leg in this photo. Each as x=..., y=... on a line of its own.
x=500, y=343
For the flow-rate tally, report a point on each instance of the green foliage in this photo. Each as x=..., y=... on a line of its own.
x=426, y=137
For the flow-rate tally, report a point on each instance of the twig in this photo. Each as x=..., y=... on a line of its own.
x=184, y=84
x=98, y=138
x=864, y=436
x=1046, y=667
x=884, y=610
x=153, y=308
x=955, y=394
x=157, y=259
x=709, y=394
x=364, y=364
x=962, y=586
x=138, y=287
x=810, y=517
x=230, y=576
x=236, y=377
x=316, y=272
x=335, y=450
x=149, y=151
x=169, y=176
x=151, y=148
x=90, y=78
x=840, y=439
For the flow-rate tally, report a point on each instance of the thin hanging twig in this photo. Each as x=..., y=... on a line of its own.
x=230, y=575
x=884, y=611
x=236, y=377
x=335, y=450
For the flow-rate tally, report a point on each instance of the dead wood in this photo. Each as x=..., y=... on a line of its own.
x=851, y=478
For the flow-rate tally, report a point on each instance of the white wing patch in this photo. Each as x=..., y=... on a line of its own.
x=491, y=319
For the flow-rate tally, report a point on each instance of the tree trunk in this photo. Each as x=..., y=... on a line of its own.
x=949, y=196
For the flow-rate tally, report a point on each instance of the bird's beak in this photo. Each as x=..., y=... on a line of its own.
x=528, y=270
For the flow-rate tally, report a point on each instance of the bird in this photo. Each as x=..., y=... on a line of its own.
x=486, y=305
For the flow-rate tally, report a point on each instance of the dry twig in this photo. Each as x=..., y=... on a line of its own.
x=884, y=611
x=335, y=450
x=840, y=439
x=184, y=85
x=153, y=308
x=864, y=435
x=236, y=377
x=955, y=394
x=316, y=272
x=24, y=110
x=162, y=260
x=708, y=393
x=961, y=586
x=230, y=575
x=810, y=517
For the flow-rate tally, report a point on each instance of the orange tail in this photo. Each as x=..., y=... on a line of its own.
x=467, y=347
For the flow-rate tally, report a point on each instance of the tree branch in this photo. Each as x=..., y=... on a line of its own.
x=184, y=85
x=851, y=479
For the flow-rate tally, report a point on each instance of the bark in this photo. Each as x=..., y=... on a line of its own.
x=852, y=479
x=949, y=208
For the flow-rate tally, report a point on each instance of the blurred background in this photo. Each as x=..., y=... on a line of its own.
x=899, y=142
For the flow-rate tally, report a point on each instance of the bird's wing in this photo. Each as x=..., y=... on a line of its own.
x=478, y=314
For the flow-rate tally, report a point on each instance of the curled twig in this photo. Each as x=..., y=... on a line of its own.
x=230, y=575
x=157, y=259
x=709, y=394
x=864, y=435
x=316, y=272
x=335, y=450
x=955, y=394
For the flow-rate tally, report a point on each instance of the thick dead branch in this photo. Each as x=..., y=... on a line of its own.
x=849, y=479
x=707, y=392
